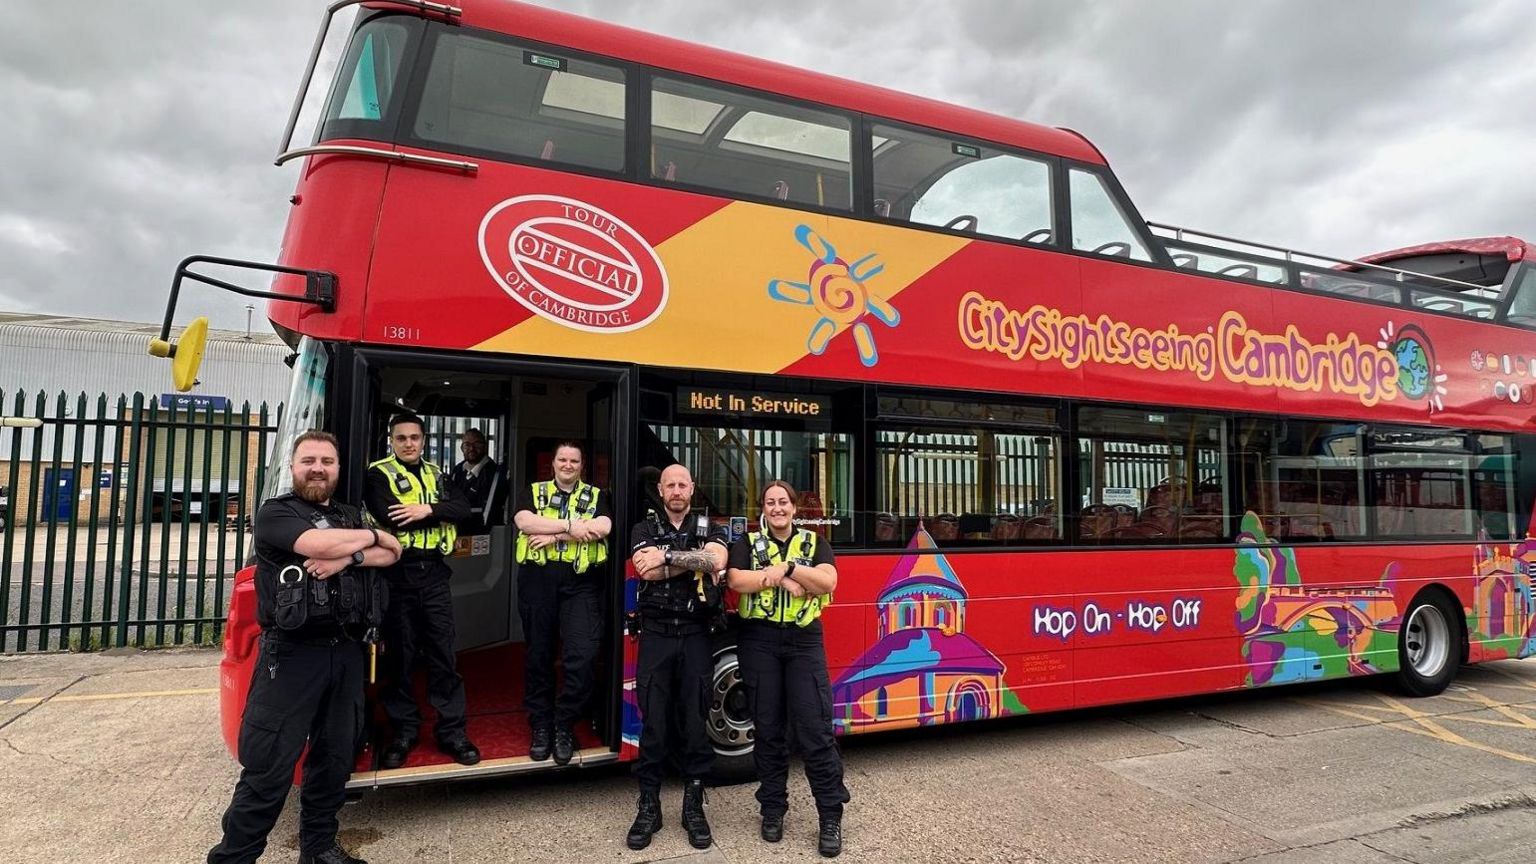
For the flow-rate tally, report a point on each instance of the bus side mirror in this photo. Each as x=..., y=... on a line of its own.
x=186, y=353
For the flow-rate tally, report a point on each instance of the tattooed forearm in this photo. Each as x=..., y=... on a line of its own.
x=695, y=559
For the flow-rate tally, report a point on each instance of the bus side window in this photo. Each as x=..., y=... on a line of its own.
x=1098, y=224
x=1522, y=309
x=930, y=180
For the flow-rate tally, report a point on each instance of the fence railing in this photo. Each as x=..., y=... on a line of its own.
x=123, y=521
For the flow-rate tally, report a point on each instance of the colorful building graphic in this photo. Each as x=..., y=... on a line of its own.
x=1503, y=614
x=924, y=669
x=1292, y=632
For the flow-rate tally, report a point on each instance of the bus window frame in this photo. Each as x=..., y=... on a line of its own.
x=1055, y=165
x=386, y=129
x=715, y=133
x=406, y=123
x=1159, y=256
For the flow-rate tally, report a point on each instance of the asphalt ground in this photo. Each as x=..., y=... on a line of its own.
x=117, y=757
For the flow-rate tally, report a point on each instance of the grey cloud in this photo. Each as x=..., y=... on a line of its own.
x=142, y=132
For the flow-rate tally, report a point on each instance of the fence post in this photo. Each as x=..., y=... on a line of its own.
x=167, y=476
x=119, y=483
x=77, y=426
x=147, y=476
x=186, y=524
x=94, y=522
x=218, y=587
x=24, y=611
x=140, y=475
x=201, y=607
x=245, y=462
x=7, y=554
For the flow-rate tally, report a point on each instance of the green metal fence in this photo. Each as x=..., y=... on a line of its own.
x=124, y=520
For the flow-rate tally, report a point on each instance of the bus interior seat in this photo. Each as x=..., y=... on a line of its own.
x=1007, y=527
x=1040, y=528
x=669, y=172
x=781, y=190
x=882, y=208
x=1125, y=515
x=548, y=152
x=1241, y=271
x=945, y=526
x=1187, y=260
x=1160, y=515
x=1041, y=236
x=1096, y=520
x=887, y=528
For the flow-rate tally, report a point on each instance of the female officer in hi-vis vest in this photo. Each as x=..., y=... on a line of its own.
x=563, y=526
x=785, y=577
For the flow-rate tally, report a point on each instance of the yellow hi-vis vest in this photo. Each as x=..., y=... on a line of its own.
x=772, y=604
x=408, y=489
x=579, y=503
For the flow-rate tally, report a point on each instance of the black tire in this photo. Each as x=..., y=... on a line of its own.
x=729, y=722
x=1428, y=645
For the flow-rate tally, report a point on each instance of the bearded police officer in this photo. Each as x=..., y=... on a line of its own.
x=420, y=505
x=679, y=558
x=562, y=544
x=316, y=604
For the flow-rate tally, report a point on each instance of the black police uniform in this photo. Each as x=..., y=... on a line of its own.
x=676, y=663
x=307, y=685
x=560, y=607
x=420, y=623
x=486, y=491
x=784, y=667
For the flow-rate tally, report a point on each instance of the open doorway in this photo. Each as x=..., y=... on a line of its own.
x=518, y=413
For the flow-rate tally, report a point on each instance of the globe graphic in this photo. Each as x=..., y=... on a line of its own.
x=1413, y=368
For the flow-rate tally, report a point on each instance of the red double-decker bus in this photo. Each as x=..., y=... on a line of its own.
x=1065, y=457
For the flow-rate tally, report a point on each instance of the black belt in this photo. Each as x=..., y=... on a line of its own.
x=672, y=626
x=313, y=640
x=784, y=625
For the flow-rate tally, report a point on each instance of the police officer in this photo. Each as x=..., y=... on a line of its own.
x=410, y=495
x=785, y=577
x=480, y=478
x=563, y=526
x=315, y=605
x=678, y=559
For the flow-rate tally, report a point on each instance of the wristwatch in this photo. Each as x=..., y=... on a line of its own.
x=666, y=557
x=790, y=570
x=357, y=558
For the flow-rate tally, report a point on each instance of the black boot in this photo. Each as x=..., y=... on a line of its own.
x=333, y=855
x=773, y=828
x=647, y=821
x=693, y=815
x=829, y=842
x=396, y=752
x=565, y=746
x=540, y=749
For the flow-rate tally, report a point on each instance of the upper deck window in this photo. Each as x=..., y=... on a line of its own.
x=932, y=180
x=750, y=145
x=360, y=98
x=1098, y=224
x=504, y=97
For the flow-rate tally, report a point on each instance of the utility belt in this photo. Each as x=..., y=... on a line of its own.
x=672, y=626
x=781, y=627
x=353, y=597
x=309, y=640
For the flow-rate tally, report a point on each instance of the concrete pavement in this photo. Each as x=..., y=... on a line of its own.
x=118, y=758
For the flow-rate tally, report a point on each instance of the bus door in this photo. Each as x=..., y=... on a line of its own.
x=523, y=411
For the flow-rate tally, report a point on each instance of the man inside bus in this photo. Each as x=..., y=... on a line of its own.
x=411, y=497
x=562, y=545
x=679, y=559
x=480, y=478
x=316, y=605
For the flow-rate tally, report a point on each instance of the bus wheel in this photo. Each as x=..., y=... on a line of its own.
x=1427, y=651
x=729, y=721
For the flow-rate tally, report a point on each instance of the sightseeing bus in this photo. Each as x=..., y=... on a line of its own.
x=1066, y=457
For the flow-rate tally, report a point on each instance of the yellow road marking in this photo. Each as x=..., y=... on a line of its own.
x=98, y=697
x=1447, y=735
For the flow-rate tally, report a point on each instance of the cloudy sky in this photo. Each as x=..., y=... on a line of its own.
x=141, y=132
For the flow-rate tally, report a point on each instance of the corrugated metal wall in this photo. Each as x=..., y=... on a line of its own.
x=46, y=355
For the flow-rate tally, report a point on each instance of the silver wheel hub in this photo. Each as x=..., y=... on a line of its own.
x=729, y=722
x=1428, y=640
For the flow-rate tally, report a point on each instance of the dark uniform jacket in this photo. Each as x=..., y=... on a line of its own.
x=279, y=524
x=679, y=597
x=487, y=494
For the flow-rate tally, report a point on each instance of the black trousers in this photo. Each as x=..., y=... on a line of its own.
x=419, y=626
x=785, y=670
x=300, y=692
x=559, y=607
x=672, y=680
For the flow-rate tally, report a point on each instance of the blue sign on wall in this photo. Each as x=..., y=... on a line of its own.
x=189, y=402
